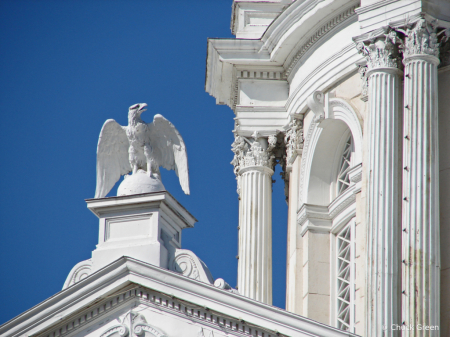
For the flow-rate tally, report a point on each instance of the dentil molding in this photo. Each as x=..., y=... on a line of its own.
x=154, y=299
x=317, y=35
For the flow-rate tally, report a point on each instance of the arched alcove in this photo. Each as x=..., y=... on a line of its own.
x=324, y=145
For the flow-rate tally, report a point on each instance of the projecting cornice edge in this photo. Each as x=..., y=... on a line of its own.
x=132, y=273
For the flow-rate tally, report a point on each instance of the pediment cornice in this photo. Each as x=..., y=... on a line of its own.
x=128, y=278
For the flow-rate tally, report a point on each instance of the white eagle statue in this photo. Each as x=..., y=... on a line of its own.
x=139, y=146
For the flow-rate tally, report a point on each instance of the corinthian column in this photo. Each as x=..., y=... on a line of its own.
x=383, y=190
x=254, y=169
x=420, y=216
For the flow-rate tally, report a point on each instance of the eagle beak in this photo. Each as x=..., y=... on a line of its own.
x=142, y=108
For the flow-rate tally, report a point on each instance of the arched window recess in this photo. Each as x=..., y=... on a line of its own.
x=330, y=177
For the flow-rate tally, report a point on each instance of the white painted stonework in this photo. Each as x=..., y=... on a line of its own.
x=132, y=298
x=351, y=99
x=356, y=93
x=140, y=148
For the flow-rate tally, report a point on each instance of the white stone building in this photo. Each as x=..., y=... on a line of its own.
x=352, y=99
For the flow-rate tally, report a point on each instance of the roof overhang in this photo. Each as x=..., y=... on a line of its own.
x=127, y=272
x=299, y=25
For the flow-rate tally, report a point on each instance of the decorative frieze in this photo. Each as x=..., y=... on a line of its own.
x=153, y=299
x=256, y=74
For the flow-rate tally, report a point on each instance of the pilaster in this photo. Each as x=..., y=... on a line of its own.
x=293, y=140
x=420, y=216
x=253, y=163
x=383, y=189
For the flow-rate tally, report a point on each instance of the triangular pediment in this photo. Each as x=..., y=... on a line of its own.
x=140, y=311
x=164, y=303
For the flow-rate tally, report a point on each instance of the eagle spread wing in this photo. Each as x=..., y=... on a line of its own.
x=112, y=157
x=169, y=150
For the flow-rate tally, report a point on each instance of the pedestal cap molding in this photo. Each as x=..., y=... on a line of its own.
x=101, y=206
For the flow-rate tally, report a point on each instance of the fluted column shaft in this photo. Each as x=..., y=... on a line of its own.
x=384, y=201
x=255, y=234
x=383, y=190
x=420, y=215
x=253, y=163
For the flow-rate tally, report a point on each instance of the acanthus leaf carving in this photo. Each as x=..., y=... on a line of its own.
x=132, y=321
x=257, y=156
x=293, y=140
x=362, y=70
x=381, y=51
x=444, y=50
x=420, y=39
x=248, y=153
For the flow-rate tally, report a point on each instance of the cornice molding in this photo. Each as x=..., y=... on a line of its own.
x=330, y=212
x=365, y=9
x=328, y=219
x=126, y=273
x=296, y=103
x=286, y=20
x=163, y=302
x=319, y=33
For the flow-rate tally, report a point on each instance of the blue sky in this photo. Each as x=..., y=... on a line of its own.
x=66, y=67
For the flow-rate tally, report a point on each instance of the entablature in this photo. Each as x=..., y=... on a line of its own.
x=374, y=15
x=293, y=33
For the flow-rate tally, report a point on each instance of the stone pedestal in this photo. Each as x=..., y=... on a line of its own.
x=146, y=227
x=384, y=184
x=420, y=219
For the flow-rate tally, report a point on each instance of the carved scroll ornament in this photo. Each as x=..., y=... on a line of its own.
x=134, y=322
x=188, y=264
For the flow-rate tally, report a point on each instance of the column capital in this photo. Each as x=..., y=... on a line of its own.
x=293, y=140
x=421, y=41
x=258, y=152
x=444, y=50
x=380, y=49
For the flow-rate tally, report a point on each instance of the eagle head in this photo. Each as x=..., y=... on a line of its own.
x=136, y=109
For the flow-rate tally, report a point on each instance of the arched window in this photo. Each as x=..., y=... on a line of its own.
x=343, y=179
